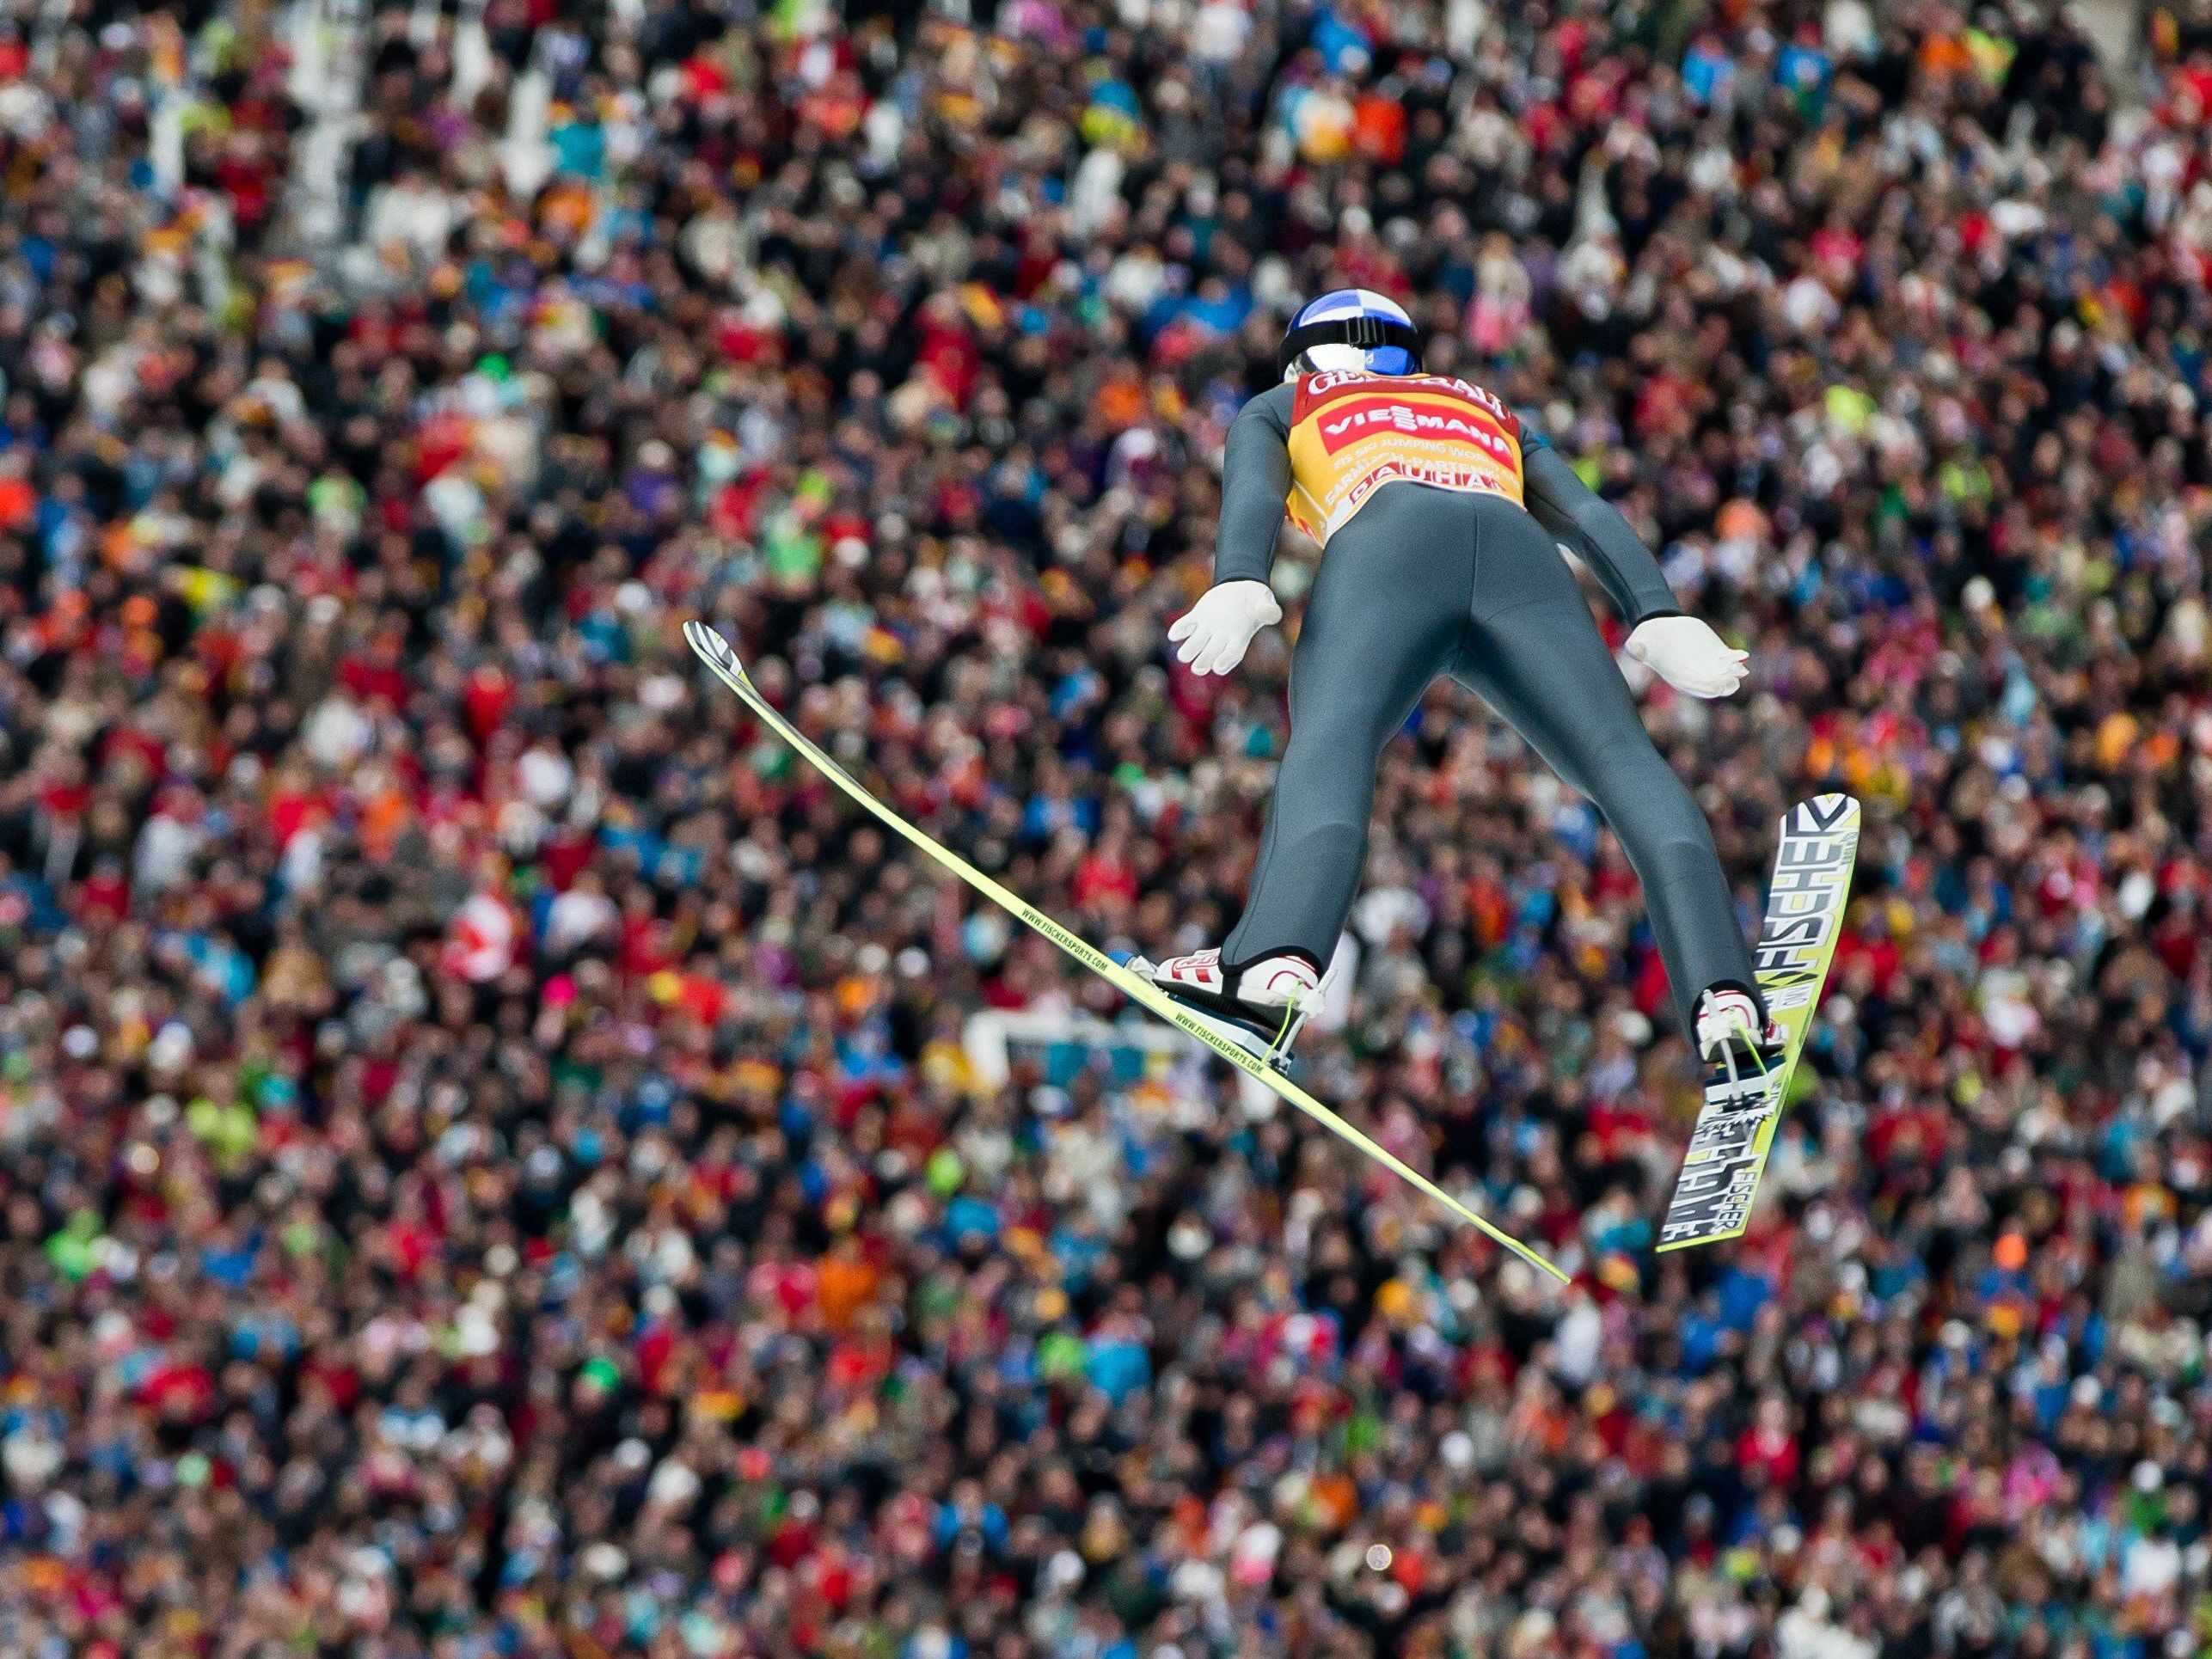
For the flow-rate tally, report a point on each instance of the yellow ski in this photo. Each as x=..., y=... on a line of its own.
x=714, y=651
x=1735, y=1126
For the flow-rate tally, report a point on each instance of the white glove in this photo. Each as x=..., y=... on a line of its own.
x=1216, y=632
x=1689, y=656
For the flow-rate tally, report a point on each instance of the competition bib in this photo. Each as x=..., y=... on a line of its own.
x=1352, y=432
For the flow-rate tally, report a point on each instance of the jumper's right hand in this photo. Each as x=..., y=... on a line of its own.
x=1214, y=635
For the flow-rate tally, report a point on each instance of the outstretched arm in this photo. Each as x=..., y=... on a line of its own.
x=1255, y=479
x=1683, y=652
x=1593, y=528
x=1212, y=636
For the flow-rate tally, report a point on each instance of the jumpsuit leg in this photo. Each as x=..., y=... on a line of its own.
x=1533, y=652
x=1389, y=609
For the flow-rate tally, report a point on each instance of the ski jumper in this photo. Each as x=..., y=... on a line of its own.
x=1438, y=516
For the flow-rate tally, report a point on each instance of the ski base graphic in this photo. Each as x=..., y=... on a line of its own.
x=1727, y=1154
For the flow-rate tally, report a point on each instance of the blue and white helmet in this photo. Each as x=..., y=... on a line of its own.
x=1353, y=329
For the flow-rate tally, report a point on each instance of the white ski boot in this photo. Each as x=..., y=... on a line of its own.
x=1264, y=1011
x=1728, y=1026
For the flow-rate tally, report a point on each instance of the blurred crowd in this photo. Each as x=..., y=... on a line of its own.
x=491, y=1162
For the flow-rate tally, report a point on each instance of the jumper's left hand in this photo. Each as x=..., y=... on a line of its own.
x=1213, y=634
x=1689, y=656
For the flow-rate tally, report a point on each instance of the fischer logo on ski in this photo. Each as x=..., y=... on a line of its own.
x=1727, y=1152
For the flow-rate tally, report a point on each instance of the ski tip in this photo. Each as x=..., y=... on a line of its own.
x=1822, y=815
x=713, y=650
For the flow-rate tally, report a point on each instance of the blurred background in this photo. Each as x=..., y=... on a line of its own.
x=500, y=1162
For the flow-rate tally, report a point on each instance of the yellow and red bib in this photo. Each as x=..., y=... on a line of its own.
x=1352, y=432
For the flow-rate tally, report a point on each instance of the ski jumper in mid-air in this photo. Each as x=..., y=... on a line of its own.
x=1437, y=515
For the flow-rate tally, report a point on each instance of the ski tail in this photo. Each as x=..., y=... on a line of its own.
x=714, y=651
x=1806, y=900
